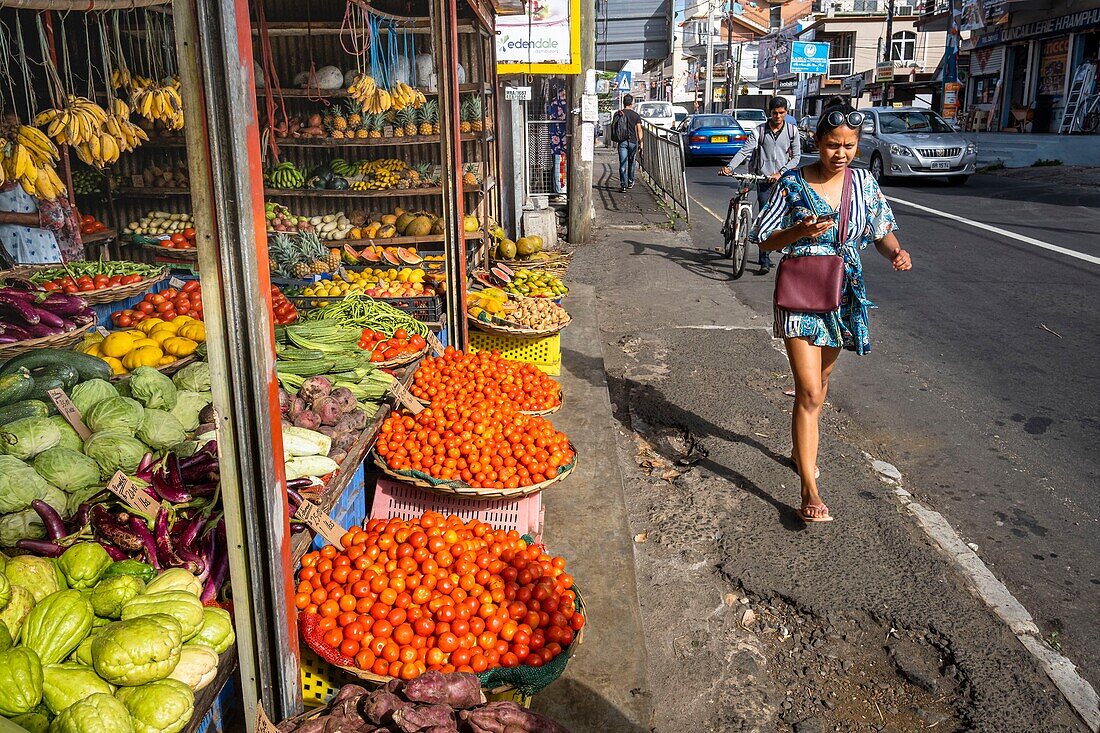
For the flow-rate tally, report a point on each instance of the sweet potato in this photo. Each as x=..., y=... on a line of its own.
x=344, y=398
x=379, y=706
x=508, y=717
x=417, y=718
x=315, y=387
x=458, y=690
x=307, y=419
x=353, y=422
x=328, y=409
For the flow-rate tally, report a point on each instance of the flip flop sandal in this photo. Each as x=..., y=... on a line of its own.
x=808, y=519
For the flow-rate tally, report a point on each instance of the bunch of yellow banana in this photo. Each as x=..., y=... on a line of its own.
x=379, y=102
x=75, y=123
x=126, y=133
x=160, y=102
x=137, y=82
x=362, y=89
x=120, y=77
x=406, y=96
x=28, y=157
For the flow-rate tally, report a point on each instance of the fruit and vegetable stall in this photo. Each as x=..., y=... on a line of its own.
x=288, y=472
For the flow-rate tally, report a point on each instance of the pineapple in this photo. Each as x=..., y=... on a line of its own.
x=477, y=118
x=355, y=115
x=327, y=118
x=464, y=116
x=411, y=126
x=399, y=122
x=418, y=173
x=334, y=259
x=469, y=175
x=282, y=254
x=339, y=121
x=428, y=117
x=375, y=125
x=313, y=252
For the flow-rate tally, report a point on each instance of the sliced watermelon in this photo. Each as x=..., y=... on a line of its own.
x=501, y=273
x=408, y=256
x=370, y=254
x=390, y=256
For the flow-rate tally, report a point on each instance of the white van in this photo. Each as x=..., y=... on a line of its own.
x=657, y=113
x=680, y=113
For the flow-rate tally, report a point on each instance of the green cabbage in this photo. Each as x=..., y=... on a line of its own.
x=69, y=437
x=65, y=684
x=217, y=630
x=139, y=650
x=97, y=713
x=36, y=574
x=165, y=706
x=83, y=563
x=152, y=388
x=76, y=498
x=109, y=596
x=67, y=469
x=28, y=437
x=194, y=377
x=116, y=413
x=87, y=395
x=20, y=484
x=160, y=429
x=114, y=450
x=56, y=498
x=188, y=406
x=24, y=525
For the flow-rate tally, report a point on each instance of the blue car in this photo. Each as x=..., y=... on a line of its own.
x=711, y=136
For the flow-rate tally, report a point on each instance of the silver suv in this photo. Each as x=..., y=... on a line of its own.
x=913, y=142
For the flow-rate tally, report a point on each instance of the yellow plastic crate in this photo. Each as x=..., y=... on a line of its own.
x=545, y=353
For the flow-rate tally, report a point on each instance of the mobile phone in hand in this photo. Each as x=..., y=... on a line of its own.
x=829, y=216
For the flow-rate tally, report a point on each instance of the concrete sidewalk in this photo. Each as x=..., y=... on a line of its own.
x=752, y=621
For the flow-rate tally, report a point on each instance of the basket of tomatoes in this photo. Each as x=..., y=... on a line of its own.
x=393, y=351
x=456, y=375
x=92, y=229
x=166, y=305
x=100, y=282
x=180, y=245
x=402, y=597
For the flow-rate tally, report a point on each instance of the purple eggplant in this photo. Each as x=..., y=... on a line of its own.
x=41, y=547
x=115, y=530
x=115, y=553
x=146, y=462
x=295, y=499
x=21, y=294
x=194, y=529
x=8, y=339
x=82, y=319
x=199, y=472
x=21, y=284
x=299, y=483
x=64, y=305
x=166, y=553
x=48, y=318
x=218, y=559
x=148, y=544
x=55, y=528
x=19, y=332
x=41, y=330
x=20, y=308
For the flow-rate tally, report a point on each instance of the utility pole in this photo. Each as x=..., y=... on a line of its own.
x=888, y=48
x=729, y=57
x=737, y=76
x=580, y=170
x=710, y=58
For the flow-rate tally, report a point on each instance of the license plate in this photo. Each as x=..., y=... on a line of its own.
x=720, y=139
x=941, y=165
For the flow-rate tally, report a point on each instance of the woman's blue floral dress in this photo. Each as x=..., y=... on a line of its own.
x=869, y=219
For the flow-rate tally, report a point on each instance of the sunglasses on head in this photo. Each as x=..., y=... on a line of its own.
x=853, y=119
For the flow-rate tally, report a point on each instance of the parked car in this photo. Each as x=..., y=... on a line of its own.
x=679, y=113
x=656, y=113
x=748, y=117
x=910, y=142
x=711, y=136
x=807, y=126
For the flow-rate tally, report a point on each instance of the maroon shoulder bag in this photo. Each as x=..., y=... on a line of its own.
x=815, y=284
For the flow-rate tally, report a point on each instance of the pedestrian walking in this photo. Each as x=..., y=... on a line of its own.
x=626, y=133
x=820, y=217
x=773, y=148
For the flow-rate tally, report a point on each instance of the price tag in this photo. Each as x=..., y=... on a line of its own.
x=434, y=342
x=263, y=723
x=387, y=131
x=319, y=522
x=132, y=494
x=68, y=410
x=405, y=397
x=175, y=282
x=101, y=331
x=137, y=181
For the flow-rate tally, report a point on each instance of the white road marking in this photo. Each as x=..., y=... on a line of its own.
x=701, y=205
x=997, y=230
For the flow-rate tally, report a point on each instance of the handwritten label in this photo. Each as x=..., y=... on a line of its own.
x=319, y=522
x=175, y=282
x=68, y=410
x=137, y=181
x=132, y=494
x=101, y=331
x=434, y=342
x=405, y=397
x=263, y=723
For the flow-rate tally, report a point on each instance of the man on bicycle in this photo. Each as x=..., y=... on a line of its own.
x=775, y=148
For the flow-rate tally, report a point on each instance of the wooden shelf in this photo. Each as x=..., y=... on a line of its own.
x=98, y=237
x=300, y=543
x=399, y=241
x=152, y=191
x=319, y=94
x=328, y=193
x=369, y=142
x=336, y=28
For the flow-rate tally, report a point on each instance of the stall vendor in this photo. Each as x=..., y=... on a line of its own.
x=34, y=231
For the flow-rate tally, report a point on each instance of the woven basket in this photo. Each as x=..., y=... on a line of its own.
x=455, y=489
x=168, y=369
x=533, y=413
x=58, y=341
x=402, y=360
x=121, y=292
x=188, y=255
x=514, y=331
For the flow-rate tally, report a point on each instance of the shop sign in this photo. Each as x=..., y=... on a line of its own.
x=1047, y=27
x=263, y=723
x=406, y=398
x=517, y=94
x=434, y=343
x=544, y=40
x=320, y=522
x=814, y=85
x=788, y=84
x=951, y=100
x=809, y=58
x=884, y=71
x=855, y=84
x=133, y=495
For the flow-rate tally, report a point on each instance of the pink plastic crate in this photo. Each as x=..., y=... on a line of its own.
x=397, y=499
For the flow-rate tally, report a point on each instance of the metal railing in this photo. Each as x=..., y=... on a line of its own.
x=840, y=68
x=662, y=161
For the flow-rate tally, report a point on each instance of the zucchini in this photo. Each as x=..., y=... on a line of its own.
x=55, y=376
x=86, y=365
x=20, y=410
x=15, y=386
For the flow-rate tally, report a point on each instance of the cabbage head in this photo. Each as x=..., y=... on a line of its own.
x=24, y=525
x=28, y=437
x=160, y=430
x=36, y=574
x=65, y=684
x=188, y=406
x=110, y=594
x=164, y=706
x=20, y=484
x=114, y=450
x=194, y=377
x=76, y=498
x=152, y=388
x=67, y=469
x=138, y=651
x=56, y=498
x=69, y=437
x=116, y=413
x=98, y=713
x=87, y=395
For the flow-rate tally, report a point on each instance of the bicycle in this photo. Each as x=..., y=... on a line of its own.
x=735, y=231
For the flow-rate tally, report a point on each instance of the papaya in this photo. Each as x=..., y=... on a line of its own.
x=437, y=226
x=507, y=249
x=525, y=247
x=389, y=219
x=386, y=232
x=470, y=224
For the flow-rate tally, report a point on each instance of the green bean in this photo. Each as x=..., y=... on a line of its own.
x=362, y=311
x=97, y=267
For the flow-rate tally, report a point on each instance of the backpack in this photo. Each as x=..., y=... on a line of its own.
x=620, y=128
x=761, y=131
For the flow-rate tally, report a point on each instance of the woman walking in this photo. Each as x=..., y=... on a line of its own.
x=828, y=212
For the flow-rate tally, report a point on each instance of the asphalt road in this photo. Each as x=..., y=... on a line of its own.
x=983, y=386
